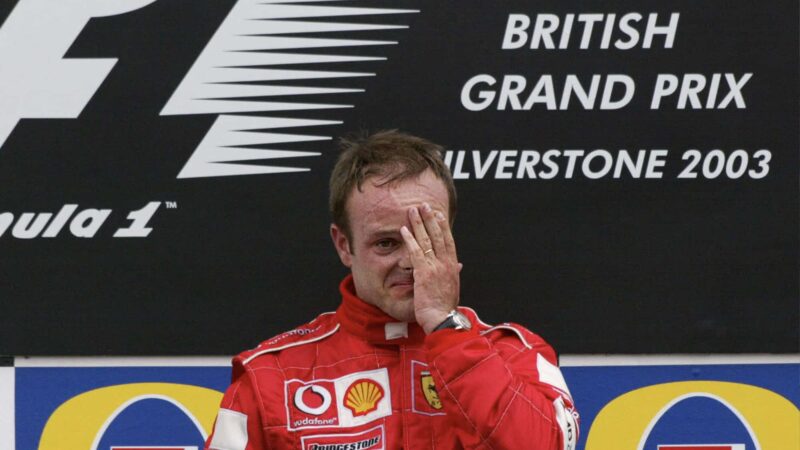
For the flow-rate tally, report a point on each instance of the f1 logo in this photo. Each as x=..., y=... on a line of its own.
x=33, y=41
x=38, y=33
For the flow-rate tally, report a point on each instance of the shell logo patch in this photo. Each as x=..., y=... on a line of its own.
x=362, y=397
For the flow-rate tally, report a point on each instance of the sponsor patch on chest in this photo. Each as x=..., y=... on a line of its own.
x=372, y=439
x=352, y=400
x=424, y=396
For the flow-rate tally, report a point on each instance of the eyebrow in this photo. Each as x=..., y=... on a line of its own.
x=384, y=234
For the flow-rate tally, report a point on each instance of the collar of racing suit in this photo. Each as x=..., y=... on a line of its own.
x=368, y=322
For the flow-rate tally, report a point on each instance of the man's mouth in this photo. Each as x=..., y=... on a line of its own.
x=402, y=282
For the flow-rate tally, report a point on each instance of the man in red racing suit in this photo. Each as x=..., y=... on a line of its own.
x=489, y=388
x=398, y=365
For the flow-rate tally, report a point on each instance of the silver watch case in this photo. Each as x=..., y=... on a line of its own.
x=456, y=320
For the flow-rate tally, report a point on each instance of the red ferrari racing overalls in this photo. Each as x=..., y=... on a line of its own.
x=357, y=379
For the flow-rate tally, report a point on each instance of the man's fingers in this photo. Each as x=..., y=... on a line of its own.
x=414, y=250
x=418, y=226
x=447, y=234
x=432, y=226
x=431, y=232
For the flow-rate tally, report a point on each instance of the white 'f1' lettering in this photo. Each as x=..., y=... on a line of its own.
x=139, y=220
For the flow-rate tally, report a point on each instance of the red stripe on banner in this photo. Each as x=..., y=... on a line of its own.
x=150, y=448
x=695, y=447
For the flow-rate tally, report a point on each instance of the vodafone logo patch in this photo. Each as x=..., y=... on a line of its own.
x=348, y=401
x=324, y=399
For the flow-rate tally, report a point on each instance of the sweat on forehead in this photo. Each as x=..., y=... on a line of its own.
x=412, y=191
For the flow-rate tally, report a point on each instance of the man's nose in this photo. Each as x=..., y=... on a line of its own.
x=405, y=259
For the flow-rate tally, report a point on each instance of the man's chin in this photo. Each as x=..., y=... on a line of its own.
x=403, y=313
x=402, y=303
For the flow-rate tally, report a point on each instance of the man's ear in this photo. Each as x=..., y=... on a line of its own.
x=342, y=245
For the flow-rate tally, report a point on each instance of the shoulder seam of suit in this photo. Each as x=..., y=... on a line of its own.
x=290, y=345
x=305, y=334
x=510, y=327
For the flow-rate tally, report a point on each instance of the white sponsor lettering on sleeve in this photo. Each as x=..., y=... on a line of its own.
x=566, y=421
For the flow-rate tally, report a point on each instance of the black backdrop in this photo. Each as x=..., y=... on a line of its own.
x=628, y=265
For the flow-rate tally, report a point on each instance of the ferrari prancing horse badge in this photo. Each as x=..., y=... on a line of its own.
x=429, y=390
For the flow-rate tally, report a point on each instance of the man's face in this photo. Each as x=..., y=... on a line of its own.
x=379, y=259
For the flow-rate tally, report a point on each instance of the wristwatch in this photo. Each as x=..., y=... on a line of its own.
x=455, y=320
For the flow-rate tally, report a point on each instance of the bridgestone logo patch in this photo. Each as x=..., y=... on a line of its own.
x=361, y=445
x=372, y=439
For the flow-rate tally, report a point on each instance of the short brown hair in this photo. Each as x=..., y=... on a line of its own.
x=390, y=155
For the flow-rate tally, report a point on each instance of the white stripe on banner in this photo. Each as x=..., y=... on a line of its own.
x=122, y=361
x=7, y=407
x=564, y=360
